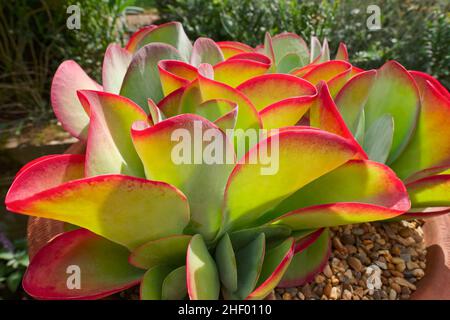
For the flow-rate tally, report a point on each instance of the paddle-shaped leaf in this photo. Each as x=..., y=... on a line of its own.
x=174, y=285
x=151, y=285
x=202, y=277
x=226, y=263
x=115, y=65
x=307, y=262
x=206, y=50
x=79, y=265
x=378, y=138
x=104, y=204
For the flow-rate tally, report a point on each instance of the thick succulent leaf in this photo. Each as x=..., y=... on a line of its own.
x=174, y=285
x=422, y=213
x=243, y=237
x=362, y=182
x=115, y=65
x=171, y=105
x=288, y=63
x=352, y=98
x=109, y=147
x=432, y=191
x=336, y=83
x=428, y=173
x=287, y=43
x=342, y=53
x=45, y=173
x=326, y=71
x=151, y=285
x=171, y=33
x=232, y=48
x=276, y=262
x=325, y=116
x=141, y=82
x=394, y=92
x=275, y=87
x=249, y=261
x=226, y=263
x=300, y=72
x=101, y=265
x=104, y=204
x=135, y=39
x=253, y=56
x=309, y=260
x=378, y=138
x=304, y=238
x=214, y=109
x=155, y=116
x=169, y=251
x=253, y=189
x=421, y=78
x=206, y=50
x=285, y=113
x=429, y=146
x=233, y=72
x=202, y=277
x=316, y=49
x=360, y=129
x=173, y=151
x=68, y=78
x=227, y=121
x=175, y=74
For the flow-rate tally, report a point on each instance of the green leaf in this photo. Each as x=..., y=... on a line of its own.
x=378, y=138
x=13, y=281
x=174, y=285
x=243, y=237
x=202, y=277
x=226, y=263
x=249, y=262
x=151, y=285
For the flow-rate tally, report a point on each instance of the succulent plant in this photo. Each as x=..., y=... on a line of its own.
x=200, y=229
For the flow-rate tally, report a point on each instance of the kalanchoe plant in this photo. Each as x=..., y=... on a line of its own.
x=222, y=229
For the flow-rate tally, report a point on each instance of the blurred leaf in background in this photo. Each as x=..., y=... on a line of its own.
x=13, y=263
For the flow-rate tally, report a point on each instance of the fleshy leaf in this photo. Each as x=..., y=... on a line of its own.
x=361, y=182
x=206, y=50
x=156, y=116
x=133, y=43
x=45, y=173
x=174, y=285
x=141, y=82
x=378, y=138
x=432, y=191
x=288, y=63
x=326, y=71
x=316, y=49
x=101, y=266
x=115, y=65
x=249, y=263
x=232, y=48
x=285, y=113
x=226, y=263
x=325, y=116
x=310, y=260
x=169, y=251
x=173, y=151
x=201, y=272
x=394, y=92
x=233, y=72
x=214, y=109
x=171, y=105
x=151, y=285
x=171, y=33
x=67, y=80
x=175, y=74
x=286, y=43
x=421, y=78
x=109, y=147
x=342, y=53
x=104, y=204
x=276, y=262
x=352, y=98
x=429, y=146
x=276, y=87
x=254, y=188
x=242, y=237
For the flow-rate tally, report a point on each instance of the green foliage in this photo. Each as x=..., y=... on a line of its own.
x=414, y=32
x=34, y=39
x=13, y=262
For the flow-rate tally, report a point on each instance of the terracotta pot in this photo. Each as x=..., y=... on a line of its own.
x=435, y=285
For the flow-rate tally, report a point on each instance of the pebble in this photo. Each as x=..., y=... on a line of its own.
x=392, y=294
x=346, y=295
x=327, y=271
x=405, y=283
x=418, y=273
x=355, y=263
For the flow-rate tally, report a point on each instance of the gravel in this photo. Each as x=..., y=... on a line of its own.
x=369, y=261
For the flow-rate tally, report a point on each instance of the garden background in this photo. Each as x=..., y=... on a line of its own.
x=34, y=40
